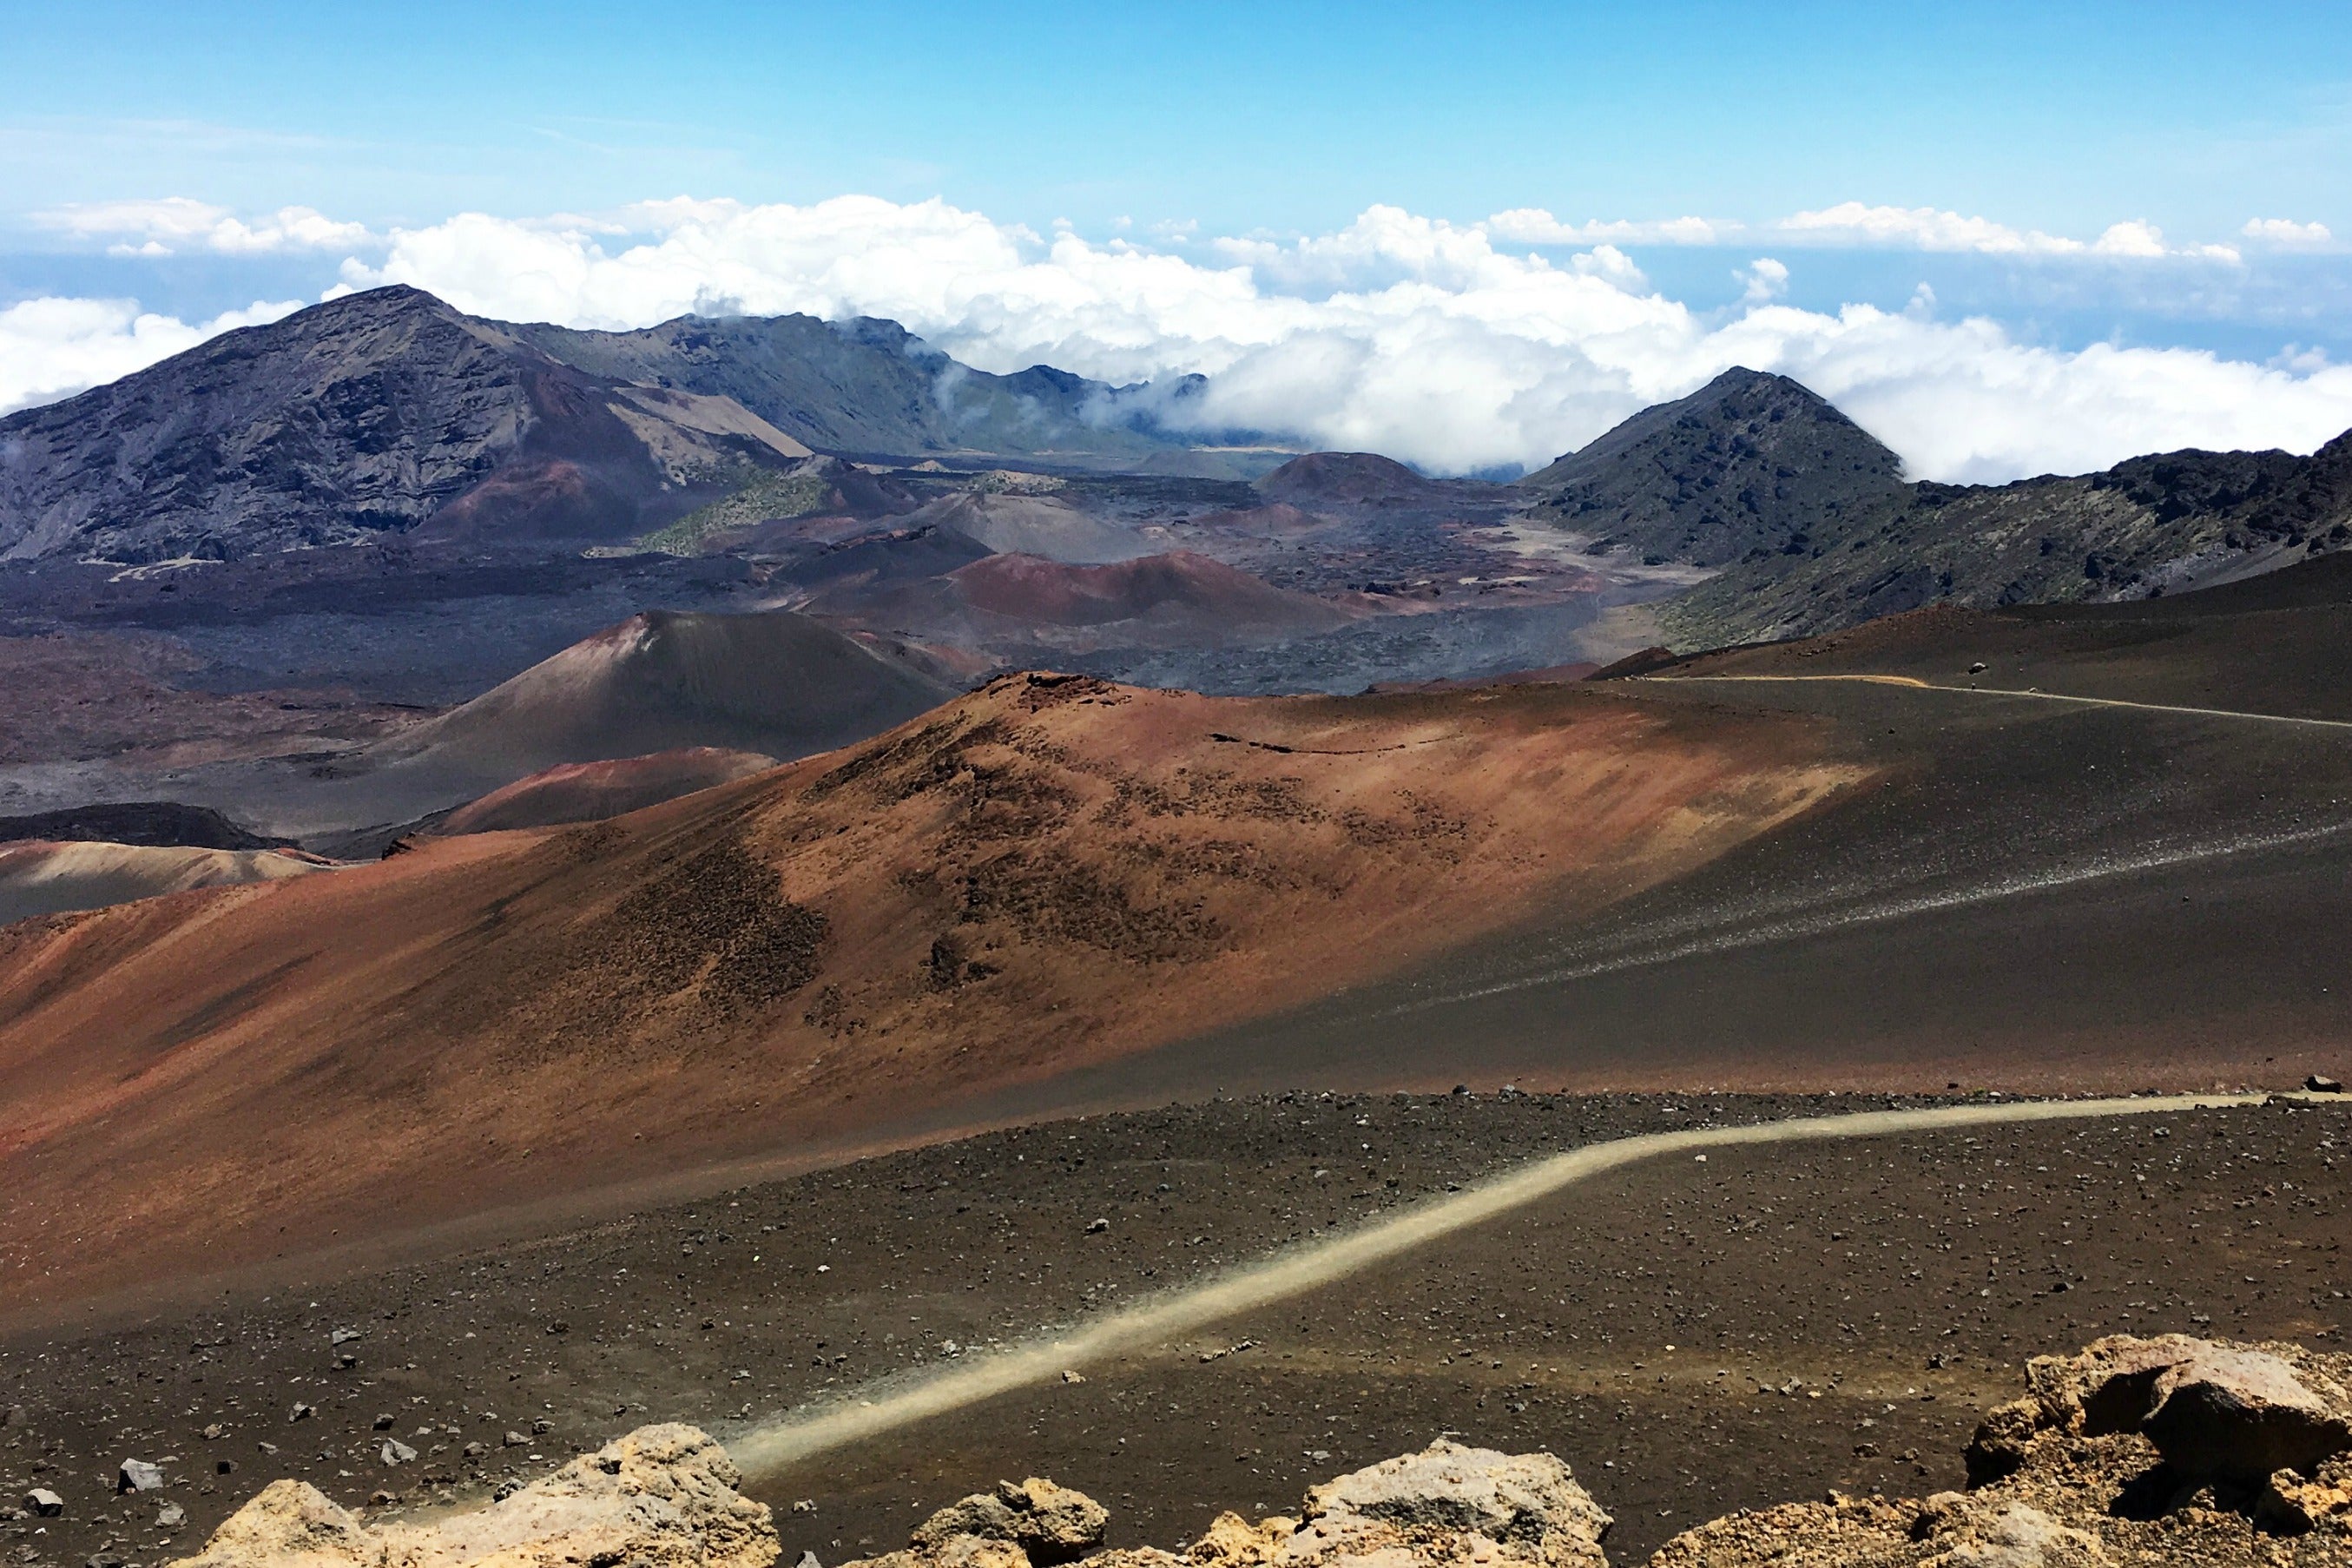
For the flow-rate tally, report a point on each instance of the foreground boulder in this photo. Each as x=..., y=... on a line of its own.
x=2169, y=1450
x=2217, y=1412
x=662, y=1497
x=1446, y=1504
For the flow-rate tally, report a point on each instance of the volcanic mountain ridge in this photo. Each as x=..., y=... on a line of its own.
x=1046, y=872
x=1810, y=526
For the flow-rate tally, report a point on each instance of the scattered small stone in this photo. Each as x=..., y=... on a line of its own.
x=515, y=1440
x=383, y=1423
x=301, y=1413
x=171, y=1516
x=1096, y=1226
x=396, y=1452
x=214, y=1432
x=44, y=1502
x=1070, y=1376
x=344, y=1336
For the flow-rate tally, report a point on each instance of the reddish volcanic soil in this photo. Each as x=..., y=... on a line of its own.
x=593, y=791
x=1046, y=873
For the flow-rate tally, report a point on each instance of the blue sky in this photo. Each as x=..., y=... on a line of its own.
x=1289, y=117
x=2082, y=175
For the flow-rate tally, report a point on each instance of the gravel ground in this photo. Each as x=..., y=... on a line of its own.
x=1692, y=1336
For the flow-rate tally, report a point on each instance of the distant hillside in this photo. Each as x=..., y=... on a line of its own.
x=1748, y=463
x=1356, y=478
x=869, y=387
x=39, y=878
x=372, y=414
x=389, y=411
x=780, y=685
x=1811, y=526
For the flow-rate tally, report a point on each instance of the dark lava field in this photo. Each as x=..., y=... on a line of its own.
x=1693, y=1336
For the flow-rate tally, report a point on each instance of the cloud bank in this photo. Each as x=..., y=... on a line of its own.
x=51, y=347
x=174, y=223
x=1452, y=346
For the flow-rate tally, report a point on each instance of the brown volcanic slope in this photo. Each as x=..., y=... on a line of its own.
x=1049, y=872
x=594, y=791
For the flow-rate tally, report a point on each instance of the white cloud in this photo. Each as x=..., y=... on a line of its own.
x=2285, y=231
x=1534, y=226
x=52, y=348
x=1398, y=333
x=1923, y=228
x=1930, y=229
x=1765, y=279
x=171, y=224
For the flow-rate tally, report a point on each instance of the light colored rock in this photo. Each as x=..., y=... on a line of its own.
x=2216, y=1412
x=1446, y=1504
x=2071, y=1475
x=292, y=1524
x=44, y=1502
x=138, y=1476
x=662, y=1497
x=1050, y=1524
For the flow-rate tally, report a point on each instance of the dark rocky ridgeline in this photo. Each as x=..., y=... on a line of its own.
x=374, y=414
x=869, y=387
x=1810, y=526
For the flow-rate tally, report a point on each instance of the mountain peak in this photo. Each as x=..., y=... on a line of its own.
x=1749, y=462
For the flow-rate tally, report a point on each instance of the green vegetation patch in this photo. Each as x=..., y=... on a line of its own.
x=765, y=495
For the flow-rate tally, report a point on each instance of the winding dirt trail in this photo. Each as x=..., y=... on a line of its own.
x=897, y=1402
x=1917, y=684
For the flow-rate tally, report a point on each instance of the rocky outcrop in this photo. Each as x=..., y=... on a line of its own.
x=1031, y=1524
x=2163, y=1451
x=2169, y=1450
x=2216, y=1412
x=1447, y=1504
x=662, y=1497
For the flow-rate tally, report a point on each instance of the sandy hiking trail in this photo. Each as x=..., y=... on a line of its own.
x=1917, y=684
x=899, y=1401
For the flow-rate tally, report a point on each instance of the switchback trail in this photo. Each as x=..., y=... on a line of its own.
x=1917, y=684
x=896, y=1403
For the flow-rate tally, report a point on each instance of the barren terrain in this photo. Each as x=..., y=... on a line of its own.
x=1051, y=873
x=1692, y=1336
